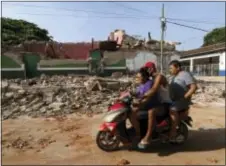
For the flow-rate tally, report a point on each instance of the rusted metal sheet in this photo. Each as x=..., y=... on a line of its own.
x=77, y=51
x=35, y=47
x=64, y=50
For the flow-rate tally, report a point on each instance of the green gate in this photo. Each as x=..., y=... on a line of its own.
x=96, y=59
x=30, y=63
x=96, y=54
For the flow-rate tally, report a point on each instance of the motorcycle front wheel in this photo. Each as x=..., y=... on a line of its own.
x=106, y=141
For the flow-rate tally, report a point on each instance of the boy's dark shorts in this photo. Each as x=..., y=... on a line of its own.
x=180, y=105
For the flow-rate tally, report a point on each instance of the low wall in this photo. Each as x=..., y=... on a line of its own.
x=34, y=67
x=12, y=74
x=62, y=70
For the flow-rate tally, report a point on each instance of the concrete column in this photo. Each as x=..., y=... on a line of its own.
x=191, y=65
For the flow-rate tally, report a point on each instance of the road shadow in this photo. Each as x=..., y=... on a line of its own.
x=198, y=141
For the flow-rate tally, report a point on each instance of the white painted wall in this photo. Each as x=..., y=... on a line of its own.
x=142, y=57
x=222, y=61
x=221, y=56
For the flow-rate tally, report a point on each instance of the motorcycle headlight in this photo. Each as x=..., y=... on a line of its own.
x=114, y=117
x=120, y=117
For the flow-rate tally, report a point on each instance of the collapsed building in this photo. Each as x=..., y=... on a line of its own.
x=120, y=52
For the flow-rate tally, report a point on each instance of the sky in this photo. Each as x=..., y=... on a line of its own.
x=80, y=21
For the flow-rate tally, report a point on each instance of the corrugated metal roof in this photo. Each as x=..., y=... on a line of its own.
x=203, y=50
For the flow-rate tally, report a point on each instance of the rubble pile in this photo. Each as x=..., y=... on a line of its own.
x=210, y=92
x=58, y=95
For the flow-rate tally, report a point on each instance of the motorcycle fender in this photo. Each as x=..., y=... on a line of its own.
x=108, y=126
x=187, y=122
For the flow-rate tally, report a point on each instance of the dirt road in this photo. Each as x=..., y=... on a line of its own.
x=71, y=140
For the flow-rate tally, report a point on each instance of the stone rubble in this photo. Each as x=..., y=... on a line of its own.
x=209, y=93
x=60, y=95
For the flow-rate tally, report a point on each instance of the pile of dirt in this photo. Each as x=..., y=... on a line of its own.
x=58, y=95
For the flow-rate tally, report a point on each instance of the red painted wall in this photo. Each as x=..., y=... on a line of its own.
x=78, y=51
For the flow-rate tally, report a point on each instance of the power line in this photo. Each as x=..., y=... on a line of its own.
x=128, y=7
x=118, y=14
x=134, y=9
x=194, y=21
x=42, y=14
x=188, y=39
x=187, y=26
x=75, y=10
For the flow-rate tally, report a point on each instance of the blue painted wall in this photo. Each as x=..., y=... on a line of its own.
x=222, y=73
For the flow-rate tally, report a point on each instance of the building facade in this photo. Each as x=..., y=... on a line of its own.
x=205, y=61
x=135, y=63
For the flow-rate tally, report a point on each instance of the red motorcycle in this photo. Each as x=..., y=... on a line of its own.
x=113, y=130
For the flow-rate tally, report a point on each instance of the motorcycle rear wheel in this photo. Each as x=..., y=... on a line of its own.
x=111, y=141
x=182, y=135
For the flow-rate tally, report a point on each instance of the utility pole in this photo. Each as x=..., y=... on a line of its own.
x=163, y=25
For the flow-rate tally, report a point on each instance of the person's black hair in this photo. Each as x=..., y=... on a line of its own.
x=144, y=73
x=175, y=63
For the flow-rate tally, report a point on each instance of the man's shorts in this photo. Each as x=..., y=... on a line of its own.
x=180, y=105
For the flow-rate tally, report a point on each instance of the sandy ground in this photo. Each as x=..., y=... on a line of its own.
x=71, y=140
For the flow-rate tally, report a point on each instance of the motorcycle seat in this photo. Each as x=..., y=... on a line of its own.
x=143, y=114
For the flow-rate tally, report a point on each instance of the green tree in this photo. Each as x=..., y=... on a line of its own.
x=217, y=35
x=15, y=32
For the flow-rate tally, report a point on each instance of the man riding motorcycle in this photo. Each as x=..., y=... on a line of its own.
x=114, y=131
x=159, y=86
